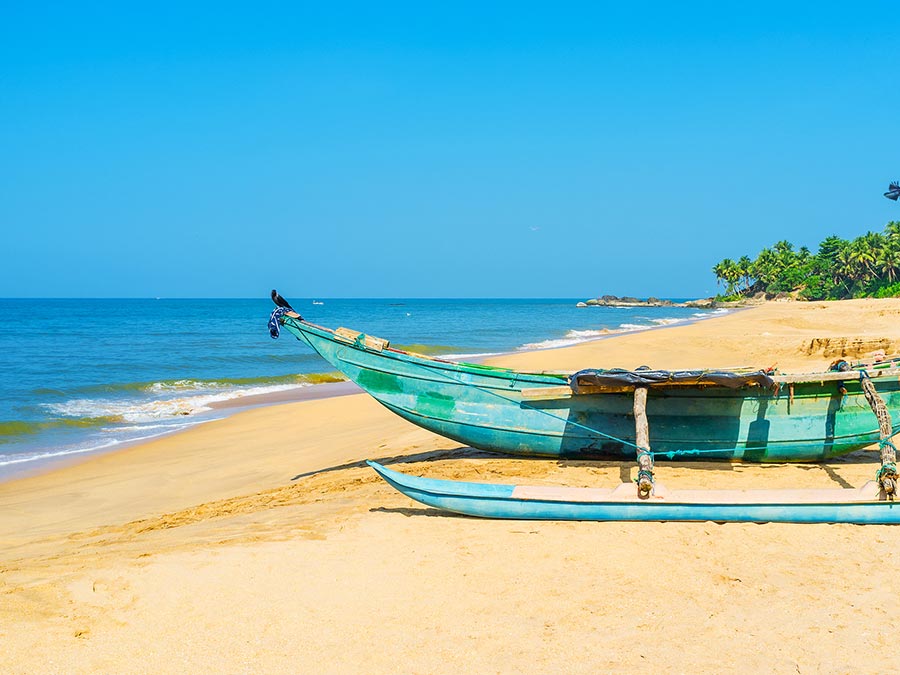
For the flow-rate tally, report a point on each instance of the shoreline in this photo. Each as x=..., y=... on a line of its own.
x=230, y=406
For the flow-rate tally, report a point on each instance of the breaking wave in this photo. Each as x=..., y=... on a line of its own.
x=12, y=429
x=177, y=398
x=574, y=337
x=122, y=413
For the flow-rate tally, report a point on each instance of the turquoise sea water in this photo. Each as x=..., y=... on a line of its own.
x=78, y=376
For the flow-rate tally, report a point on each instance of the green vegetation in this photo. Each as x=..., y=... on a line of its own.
x=868, y=266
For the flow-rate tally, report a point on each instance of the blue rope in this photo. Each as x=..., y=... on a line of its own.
x=643, y=473
x=275, y=320
x=888, y=470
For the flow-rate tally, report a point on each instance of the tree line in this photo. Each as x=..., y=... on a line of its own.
x=868, y=266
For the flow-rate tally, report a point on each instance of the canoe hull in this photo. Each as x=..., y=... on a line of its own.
x=489, y=408
x=486, y=500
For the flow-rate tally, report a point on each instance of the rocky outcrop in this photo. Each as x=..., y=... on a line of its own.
x=625, y=301
x=628, y=301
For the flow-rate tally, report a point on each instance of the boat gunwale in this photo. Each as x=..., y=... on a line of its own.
x=506, y=492
x=433, y=362
x=499, y=372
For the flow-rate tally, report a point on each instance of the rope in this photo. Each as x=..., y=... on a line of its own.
x=887, y=474
x=644, y=478
x=276, y=318
x=886, y=471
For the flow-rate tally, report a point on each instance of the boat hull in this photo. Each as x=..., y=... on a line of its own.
x=490, y=409
x=488, y=500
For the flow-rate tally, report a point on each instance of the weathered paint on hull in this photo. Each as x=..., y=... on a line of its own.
x=484, y=407
x=487, y=500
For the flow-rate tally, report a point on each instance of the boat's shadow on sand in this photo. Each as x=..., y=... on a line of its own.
x=467, y=452
x=462, y=452
x=625, y=467
x=426, y=511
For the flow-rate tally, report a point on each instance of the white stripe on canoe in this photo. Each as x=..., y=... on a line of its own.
x=627, y=492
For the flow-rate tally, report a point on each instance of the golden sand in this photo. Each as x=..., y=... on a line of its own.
x=261, y=544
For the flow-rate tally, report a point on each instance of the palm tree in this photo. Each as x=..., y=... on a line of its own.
x=766, y=267
x=727, y=271
x=719, y=270
x=784, y=251
x=744, y=268
x=843, y=271
x=830, y=247
x=862, y=260
x=839, y=269
x=888, y=262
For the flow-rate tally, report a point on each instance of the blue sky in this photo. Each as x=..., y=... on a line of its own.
x=469, y=150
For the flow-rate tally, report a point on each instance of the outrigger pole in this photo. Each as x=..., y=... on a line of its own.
x=642, y=442
x=887, y=474
x=886, y=477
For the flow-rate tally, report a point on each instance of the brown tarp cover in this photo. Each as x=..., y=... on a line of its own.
x=617, y=378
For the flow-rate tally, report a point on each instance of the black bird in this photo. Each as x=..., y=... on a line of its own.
x=893, y=191
x=281, y=302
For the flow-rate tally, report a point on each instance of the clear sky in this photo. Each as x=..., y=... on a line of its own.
x=434, y=149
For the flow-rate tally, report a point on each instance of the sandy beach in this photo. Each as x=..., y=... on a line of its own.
x=260, y=543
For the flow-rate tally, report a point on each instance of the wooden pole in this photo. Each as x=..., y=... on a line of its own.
x=887, y=475
x=642, y=440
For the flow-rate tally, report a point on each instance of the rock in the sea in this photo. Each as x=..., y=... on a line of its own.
x=582, y=304
x=629, y=301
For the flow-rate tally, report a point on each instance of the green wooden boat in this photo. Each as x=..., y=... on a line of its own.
x=735, y=415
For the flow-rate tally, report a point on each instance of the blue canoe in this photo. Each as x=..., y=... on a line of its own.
x=860, y=506
x=731, y=416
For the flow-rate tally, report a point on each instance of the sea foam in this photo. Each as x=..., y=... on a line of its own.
x=142, y=410
x=574, y=337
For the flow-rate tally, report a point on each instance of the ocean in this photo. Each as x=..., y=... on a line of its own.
x=83, y=376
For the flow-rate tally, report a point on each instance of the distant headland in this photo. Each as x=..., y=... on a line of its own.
x=718, y=302
x=627, y=301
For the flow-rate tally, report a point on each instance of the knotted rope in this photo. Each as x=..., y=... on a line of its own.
x=644, y=478
x=887, y=474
